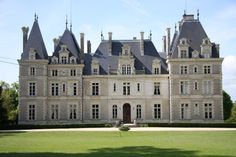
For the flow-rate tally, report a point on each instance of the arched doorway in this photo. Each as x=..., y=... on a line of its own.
x=126, y=113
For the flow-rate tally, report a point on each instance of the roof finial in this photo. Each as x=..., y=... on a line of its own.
x=102, y=37
x=66, y=22
x=185, y=8
x=150, y=35
x=198, y=14
x=175, y=27
x=35, y=17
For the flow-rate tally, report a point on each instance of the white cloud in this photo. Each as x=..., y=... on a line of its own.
x=229, y=75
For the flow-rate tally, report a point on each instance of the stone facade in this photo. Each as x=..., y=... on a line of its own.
x=123, y=80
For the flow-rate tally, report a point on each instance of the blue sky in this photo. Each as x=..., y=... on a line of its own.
x=125, y=18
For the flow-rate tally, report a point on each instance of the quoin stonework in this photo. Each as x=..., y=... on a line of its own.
x=123, y=80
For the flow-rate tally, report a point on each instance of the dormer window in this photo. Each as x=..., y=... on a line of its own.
x=183, y=48
x=126, y=69
x=32, y=54
x=72, y=60
x=95, y=67
x=63, y=59
x=156, y=66
x=206, y=48
x=126, y=50
x=54, y=60
x=195, y=54
x=64, y=54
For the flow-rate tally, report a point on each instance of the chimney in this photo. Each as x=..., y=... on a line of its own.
x=82, y=43
x=142, y=43
x=56, y=42
x=25, y=31
x=164, y=43
x=168, y=41
x=88, y=46
x=110, y=43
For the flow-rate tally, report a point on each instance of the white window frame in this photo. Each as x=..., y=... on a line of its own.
x=31, y=112
x=95, y=111
x=157, y=111
x=95, y=88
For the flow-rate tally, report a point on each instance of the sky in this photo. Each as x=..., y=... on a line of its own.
x=125, y=18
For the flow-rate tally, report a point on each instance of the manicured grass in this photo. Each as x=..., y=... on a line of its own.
x=118, y=144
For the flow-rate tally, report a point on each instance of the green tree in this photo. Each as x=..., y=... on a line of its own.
x=232, y=118
x=228, y=104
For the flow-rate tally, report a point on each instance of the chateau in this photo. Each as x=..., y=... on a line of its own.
x=123, y=80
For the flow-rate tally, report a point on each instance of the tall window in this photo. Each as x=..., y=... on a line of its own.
x=54, y=111
x=195, y=85
x=126, y=88
x=196, y=109
x=157, y=111
x=157, y=88
x=184, y=111
x=183, y=54
x=63, y=87
x=63, y=59
x=95, y=111
x=183, y=69
x=32, y=71
x=95, y=71
x=126, y=69
x=207, y=69
x=184, y=87
x=72, y=72
x=73, y=112
x=74, y=88
x=208, y=111
x=195, y=70
x=156, y=71
x=207, y=87
x=54, y=89
x=138, y=112
x=95, y=88
x=31, y=112
x=32, y=89
x=138, y=87
x=54, y=72
x=114, y=111
x=114, y=87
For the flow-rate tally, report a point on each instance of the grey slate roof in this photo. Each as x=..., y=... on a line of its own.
x=141, y=62
x=192, y=30
x=35, y=41
x=70, y=41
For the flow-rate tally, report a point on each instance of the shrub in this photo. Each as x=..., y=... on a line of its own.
x=108, y=125
x=124, y=128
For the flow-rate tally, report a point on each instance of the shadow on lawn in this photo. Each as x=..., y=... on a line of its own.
x=139, y=151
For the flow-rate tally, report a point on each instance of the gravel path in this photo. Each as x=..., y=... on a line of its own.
x=116, y=129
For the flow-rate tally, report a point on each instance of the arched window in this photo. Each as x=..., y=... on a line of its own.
x=114, y=111
x=138, y=112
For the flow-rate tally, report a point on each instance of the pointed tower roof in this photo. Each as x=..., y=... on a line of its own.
x=35, y=41
x=70, y=41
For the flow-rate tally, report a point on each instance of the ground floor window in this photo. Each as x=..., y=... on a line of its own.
x=208, y=110
x=31, y=112
x=184, y=111
x=114, y=111
x=157, y=111
x=95, y=111
x=54, y=111
x=138, y=112
x=73, y=112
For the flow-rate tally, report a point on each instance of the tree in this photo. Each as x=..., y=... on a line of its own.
x=228, y=104
x=232, y=118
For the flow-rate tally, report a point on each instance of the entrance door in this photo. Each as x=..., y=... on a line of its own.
x=126, y=113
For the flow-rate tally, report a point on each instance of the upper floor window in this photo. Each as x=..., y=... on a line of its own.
x=32, y=54
x=156, y=71
x=54, y=60
x=72, y=60
x=63, y=87
x=183, y=54
x=183, y=69
x=195, y=70
x=196, y=85
x=54, y=89
x=138, y=87
x=32, y=88
x=114, y=87
x=95, y=88
x=126, y=69
x=54, y=73
x=95, y=71
x=74, y=88
x=207, y=69
x=72, y=72
x=63, y=59
x=157, y=90
x=207, y=87
x=126, y=88
x=32, y=71
x=184, y=87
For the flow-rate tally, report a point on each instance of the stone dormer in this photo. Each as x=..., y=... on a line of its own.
x=32, y=54
x=95, y=67
x=156, y=66
x=64, y=55
x=183, y=48
x=206, y=48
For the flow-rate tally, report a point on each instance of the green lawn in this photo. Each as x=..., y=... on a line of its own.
x=116, y=144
